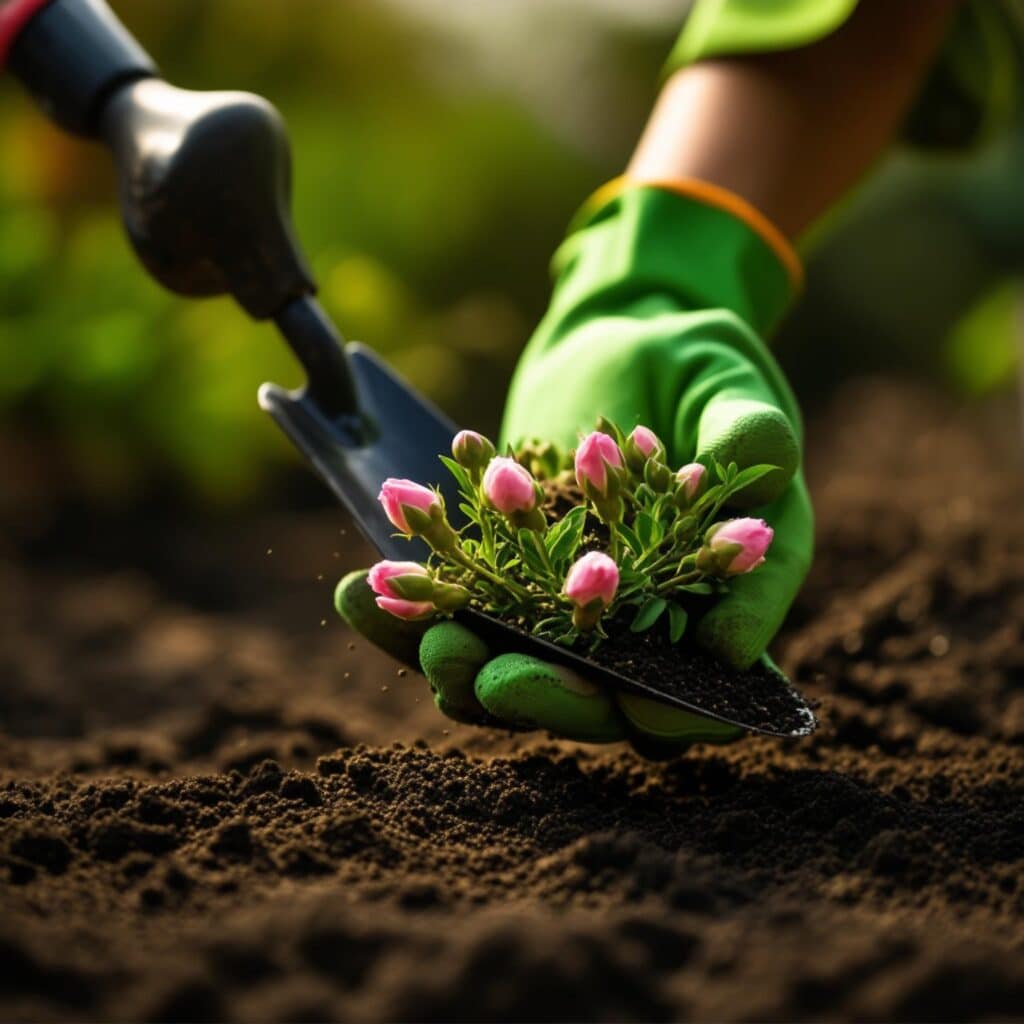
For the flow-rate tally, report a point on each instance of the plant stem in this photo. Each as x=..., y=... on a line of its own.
x=486, y=531
x=614, y=543
x=678, y=581
x=546, y=559
x=460, y=557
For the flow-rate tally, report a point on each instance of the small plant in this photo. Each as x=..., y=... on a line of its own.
x=637, y=539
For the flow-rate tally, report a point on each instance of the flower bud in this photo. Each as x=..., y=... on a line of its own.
x=599, y=467
x=472, y=451
x=399, y=496
x=417, y=511
x=641, y=445
x=542, y=458
x=449, y=597
x=690, y=480
x=384, y=579
x=591, y=584
x=607, y=426
x=734, y=547
x=685, y=530
x=657, y=475
x=512, y=490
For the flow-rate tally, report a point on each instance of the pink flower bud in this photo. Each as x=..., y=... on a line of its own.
x=509, y=487
x=598, y=462
x=645, y=439
x=472, y=451
x=751, y=536
x=397, y=496
x=691, y=479
x=594, y=577
x=387, y=599
x=641, y=447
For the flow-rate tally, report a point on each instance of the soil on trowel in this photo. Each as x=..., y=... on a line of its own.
x=218, y=803
x=755, y=697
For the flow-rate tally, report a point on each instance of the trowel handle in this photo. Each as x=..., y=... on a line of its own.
x=14, y=16
x=204, y=177
x=321, y=350
x=71, y=55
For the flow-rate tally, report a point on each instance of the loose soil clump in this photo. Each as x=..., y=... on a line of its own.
x=214, y=807
x=756, y=696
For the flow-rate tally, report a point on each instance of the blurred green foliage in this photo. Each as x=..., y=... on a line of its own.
x=427, y=211
x=429, y=195
x=982, y=350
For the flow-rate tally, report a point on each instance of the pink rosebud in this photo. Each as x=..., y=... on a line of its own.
x=643, y=447
x=388, y=599
x=397, y=496
x=597, y=461
x=472, y=451
x=594, y=577
x=645, y=439
x=691, y=478
x=509, y=487
x=752, y=536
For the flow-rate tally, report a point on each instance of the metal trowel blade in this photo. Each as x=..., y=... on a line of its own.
x=400, y=434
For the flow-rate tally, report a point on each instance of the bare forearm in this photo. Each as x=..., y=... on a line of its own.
x=791, y=132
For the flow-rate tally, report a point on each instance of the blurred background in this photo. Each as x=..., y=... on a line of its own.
x=439, y=149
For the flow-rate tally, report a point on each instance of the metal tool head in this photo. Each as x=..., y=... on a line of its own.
x=358, y=423
x=394, y=433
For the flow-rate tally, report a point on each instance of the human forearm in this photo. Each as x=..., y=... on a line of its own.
x=791, y=132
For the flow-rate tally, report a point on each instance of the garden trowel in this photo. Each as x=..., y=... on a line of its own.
x=204, y=182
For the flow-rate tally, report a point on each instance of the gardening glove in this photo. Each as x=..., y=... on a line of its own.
x=662, y=294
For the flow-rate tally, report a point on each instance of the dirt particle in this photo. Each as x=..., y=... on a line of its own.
x=234, y=841
x=43, y=849
x=302, y=788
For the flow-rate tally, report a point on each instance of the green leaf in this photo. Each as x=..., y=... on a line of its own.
x=469, y=512
x=461, y=476
x=677, y=619
x=648, y=614
x=563, y=539
x=630, y=537
x=697, y=588
x=533, y=552
x=750, y=475
x=551, y=620
x=568, y=638
x=613, y=430
x=708, y=499
x=648, y=530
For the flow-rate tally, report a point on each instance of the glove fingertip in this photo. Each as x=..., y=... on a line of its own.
x=751, y=433
x=535, y=694
x=734, y=636
x=451, y=656
x=356, y=603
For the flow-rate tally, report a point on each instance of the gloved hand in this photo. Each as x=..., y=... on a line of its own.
x=662, y=293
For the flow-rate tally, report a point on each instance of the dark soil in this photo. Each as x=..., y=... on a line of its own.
x=757, y=698
x=216, y=807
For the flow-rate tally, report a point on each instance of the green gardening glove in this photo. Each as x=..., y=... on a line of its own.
x=661, y=297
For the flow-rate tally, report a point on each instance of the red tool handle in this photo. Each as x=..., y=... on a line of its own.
x=14, y=16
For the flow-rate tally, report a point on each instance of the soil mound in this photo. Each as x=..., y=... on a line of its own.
x=214, y=807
